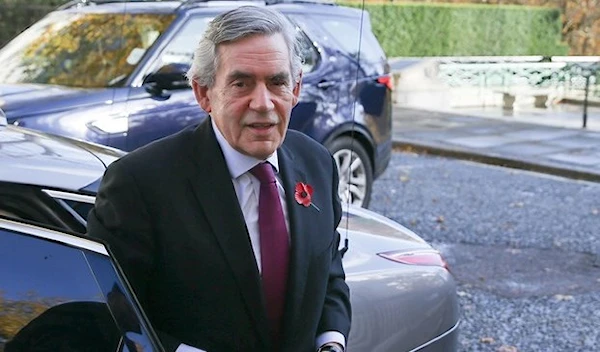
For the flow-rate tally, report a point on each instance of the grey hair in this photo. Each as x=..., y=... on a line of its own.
x=242, y=22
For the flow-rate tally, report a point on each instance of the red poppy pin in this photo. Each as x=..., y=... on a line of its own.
x=304, y=194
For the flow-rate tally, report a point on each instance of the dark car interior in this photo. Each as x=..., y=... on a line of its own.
x=29, y=203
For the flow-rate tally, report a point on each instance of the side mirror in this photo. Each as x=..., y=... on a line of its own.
x=169, y=77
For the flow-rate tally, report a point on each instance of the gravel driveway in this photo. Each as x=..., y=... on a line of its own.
x=524, y=247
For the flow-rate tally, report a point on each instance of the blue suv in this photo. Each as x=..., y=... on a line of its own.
x=113, y=72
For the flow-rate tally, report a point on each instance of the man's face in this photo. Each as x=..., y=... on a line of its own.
x=253, y=94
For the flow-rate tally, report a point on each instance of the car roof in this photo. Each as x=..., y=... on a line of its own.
x=108, y=6
x=115, y=7
x=36, y=158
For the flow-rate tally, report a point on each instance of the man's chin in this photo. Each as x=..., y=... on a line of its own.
x=262, y=152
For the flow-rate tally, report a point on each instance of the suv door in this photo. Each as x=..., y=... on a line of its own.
x=319, y=95
x=62, y=293
x=369, y=91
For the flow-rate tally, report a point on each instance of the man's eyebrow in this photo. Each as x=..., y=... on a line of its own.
x=235, y=75
x=281, y=76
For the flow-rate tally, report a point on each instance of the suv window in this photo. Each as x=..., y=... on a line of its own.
x=346, y=33
x=310, y=55
x=180, y=49
x=81, y=43
x=59, y=298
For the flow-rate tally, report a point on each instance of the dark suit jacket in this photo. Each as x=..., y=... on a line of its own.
x=170, y=215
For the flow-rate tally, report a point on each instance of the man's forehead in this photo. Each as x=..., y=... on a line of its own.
x=240, y=74
x=257, y=44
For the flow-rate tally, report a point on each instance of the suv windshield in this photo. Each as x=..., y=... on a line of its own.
x=65, y=47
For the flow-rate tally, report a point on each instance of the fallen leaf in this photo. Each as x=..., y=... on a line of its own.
x=560, y=297
x=404, y=178
x=507, y=348
x=413, y=222
x=440, y=219
x=557, y=243
x=517, y=205
x=487, y=340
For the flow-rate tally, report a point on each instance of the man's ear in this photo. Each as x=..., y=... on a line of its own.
x=297, y=88
x=201, y=94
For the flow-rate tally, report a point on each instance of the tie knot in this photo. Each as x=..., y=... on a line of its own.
x=264, y=173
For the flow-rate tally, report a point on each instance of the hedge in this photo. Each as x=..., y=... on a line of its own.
x=408, y=29
x=15, y=17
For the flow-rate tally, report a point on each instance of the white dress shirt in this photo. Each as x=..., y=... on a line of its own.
x=247, y=189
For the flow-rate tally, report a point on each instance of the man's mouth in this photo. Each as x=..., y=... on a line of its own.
x=261, y=125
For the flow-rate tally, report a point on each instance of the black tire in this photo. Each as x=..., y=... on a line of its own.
x=344, y=149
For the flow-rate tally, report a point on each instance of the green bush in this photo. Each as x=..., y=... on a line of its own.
x=409, y=29
x=466, y=30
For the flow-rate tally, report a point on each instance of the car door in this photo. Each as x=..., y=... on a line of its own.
x=59, y=292
x=316, y=112
x=367, y=87
x=153, y=115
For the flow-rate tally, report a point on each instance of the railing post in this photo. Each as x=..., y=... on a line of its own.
x=585, y=99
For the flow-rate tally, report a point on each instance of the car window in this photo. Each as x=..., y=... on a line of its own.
x=60, y=298
x=30, y=204
x=180, y=49
x=346, y=33
x=80, y=208
x=76, y=204
x=310, y=55
x=49, y=295
x=64, y=47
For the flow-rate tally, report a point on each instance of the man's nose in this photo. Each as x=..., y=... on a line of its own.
x=261, y=99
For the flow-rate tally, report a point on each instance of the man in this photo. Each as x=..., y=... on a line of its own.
x=227, y=232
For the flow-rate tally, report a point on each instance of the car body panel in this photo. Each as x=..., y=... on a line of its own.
x=30, y=157
x=428, y=300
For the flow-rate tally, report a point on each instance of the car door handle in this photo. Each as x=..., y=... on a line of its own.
x=325, y=84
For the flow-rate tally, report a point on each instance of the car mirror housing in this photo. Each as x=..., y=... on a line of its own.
x=168, y=77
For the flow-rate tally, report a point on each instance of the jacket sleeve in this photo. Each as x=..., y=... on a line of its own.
x=337, y=313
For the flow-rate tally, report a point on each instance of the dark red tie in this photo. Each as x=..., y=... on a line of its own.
x=274, y=247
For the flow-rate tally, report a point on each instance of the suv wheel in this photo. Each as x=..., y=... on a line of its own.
x=355, y=171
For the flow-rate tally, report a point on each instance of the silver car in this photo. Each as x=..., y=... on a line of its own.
x=60, y=290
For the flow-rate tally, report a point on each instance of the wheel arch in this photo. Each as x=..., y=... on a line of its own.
x=357, y=133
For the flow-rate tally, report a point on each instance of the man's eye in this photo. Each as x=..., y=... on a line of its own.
x=239, y=84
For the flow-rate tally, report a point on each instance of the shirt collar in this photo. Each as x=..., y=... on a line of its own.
x=238, y=163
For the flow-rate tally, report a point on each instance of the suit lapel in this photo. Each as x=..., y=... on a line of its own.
x=210, y=181
x=300, y=242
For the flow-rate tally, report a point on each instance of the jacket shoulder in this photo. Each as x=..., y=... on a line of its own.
x=158, y=155
x=304, y=144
